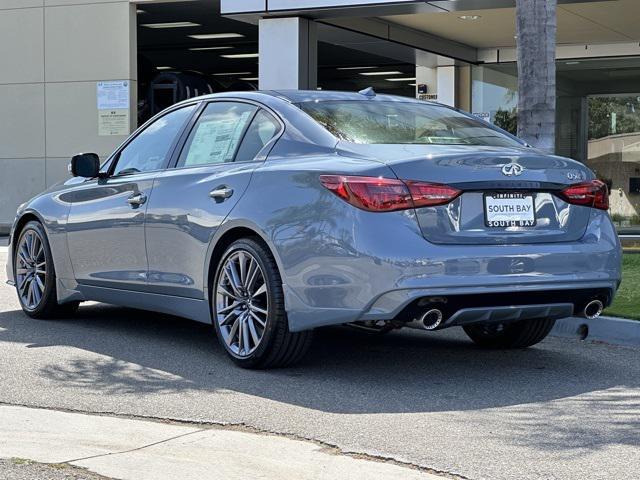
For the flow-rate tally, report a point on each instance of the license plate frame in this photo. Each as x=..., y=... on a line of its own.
x=509, y=219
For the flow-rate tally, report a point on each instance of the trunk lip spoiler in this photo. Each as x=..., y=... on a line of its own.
x=495, y=185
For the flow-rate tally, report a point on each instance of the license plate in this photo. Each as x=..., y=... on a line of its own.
x=509, y=210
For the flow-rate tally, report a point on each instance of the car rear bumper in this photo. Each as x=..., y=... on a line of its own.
x=379, y=277
x=489, y=298
x=405, y=305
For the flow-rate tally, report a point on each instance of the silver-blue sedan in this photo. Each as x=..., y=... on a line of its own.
x=269, y=214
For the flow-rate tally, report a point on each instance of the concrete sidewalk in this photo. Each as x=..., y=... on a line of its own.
x=138, y=450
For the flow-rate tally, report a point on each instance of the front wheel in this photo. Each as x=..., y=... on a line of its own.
x=248, y=309
x=522, y=334
x=35, y=275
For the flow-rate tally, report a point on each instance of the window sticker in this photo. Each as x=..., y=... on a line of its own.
x=215, y=140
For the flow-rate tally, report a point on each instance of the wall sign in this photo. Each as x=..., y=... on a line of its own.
x=486, y=116
x=113, y=122
x=113, y=101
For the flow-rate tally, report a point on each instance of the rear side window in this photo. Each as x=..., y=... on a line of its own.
x=217, y=134
x=263, y=128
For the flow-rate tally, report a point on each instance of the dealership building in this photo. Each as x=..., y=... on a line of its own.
x=80, y=75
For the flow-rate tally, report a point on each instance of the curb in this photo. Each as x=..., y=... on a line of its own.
x=120, y=447
x=611, y=330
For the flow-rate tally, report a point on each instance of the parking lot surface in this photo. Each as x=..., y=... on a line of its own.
x=561, y=410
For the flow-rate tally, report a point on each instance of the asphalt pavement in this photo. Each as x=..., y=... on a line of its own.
x=21, y=469
x=564, y=409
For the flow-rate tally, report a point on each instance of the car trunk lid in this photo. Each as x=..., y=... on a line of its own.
x=495, y=182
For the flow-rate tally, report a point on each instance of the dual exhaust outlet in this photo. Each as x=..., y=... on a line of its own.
x=433, y=318
x=593, y=309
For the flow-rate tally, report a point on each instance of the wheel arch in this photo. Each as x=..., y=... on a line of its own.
x=20, y=224
x=225, y=236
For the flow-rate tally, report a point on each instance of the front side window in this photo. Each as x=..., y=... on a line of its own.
x=373, y=122
x=217, y=134
x=150, y=148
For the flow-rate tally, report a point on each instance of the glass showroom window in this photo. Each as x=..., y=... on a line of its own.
x=613, y=152
x=495, y=95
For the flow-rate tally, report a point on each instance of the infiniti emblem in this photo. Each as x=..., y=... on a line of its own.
x=512, y=169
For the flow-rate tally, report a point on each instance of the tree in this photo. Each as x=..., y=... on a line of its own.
x=536, y=26
x=507, y=120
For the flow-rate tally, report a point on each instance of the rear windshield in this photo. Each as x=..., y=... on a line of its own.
x=400, y=123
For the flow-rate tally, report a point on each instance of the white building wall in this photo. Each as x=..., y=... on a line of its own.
x=52, y=54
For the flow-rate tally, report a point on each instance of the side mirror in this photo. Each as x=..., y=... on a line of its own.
x=85, y=165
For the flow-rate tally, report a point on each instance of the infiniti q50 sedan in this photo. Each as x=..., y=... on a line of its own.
x=269, y=214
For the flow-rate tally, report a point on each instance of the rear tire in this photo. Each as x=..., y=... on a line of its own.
x=520, y=334
x=35, y=275
x=248, y=309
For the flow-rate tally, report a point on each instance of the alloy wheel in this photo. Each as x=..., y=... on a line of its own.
x=242, y=303
x=31, y=269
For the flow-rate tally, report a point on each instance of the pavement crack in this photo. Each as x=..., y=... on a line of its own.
x=206, y=425
x=166, y=440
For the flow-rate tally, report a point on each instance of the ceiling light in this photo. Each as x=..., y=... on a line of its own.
x=572, y=63
x=139, y=11
x=171, y=25
x=412, y=84
x=355, y=68
x=398, y=79
x=165, y=68
x=371, y=74
x=230, y=74
x=209, y=36
x=250, y=79
x=241, y=55
x=201, y=49
x=469, y=17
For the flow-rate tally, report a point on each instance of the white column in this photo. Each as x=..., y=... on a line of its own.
x=447, y=85
x=288, y=54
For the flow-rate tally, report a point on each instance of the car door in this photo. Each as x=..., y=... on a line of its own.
x=190, y=201
x=105, y=228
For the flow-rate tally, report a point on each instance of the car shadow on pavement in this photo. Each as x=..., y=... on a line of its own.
x=346, y=371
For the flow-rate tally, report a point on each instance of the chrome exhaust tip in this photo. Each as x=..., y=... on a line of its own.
x=593, y=309
x=432, y=319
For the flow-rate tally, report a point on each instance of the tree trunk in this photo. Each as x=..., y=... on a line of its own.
x=536, y=30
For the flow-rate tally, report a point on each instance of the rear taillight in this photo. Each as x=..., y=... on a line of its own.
x=388, y=194
x=431, y=194
x=590, y=194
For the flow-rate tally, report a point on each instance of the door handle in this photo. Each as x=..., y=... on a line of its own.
x=137, y=200
x=221, y=193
